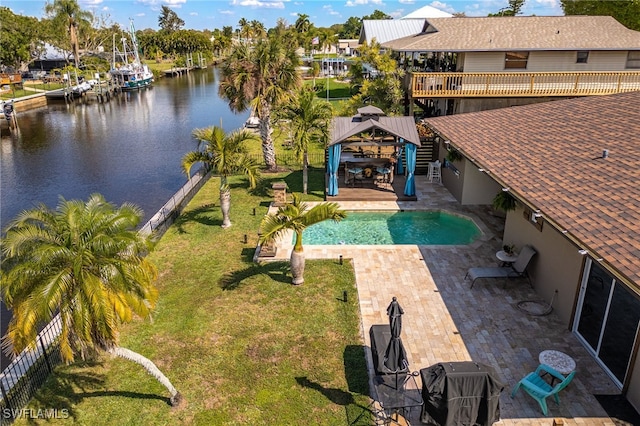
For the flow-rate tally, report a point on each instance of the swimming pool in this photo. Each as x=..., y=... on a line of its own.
x=394, y=227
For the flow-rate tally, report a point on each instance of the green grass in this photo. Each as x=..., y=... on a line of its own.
x=241, y=344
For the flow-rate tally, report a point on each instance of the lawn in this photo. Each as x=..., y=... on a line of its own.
x=241, y=344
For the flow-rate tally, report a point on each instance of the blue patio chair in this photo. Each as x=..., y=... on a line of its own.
x=539, y=389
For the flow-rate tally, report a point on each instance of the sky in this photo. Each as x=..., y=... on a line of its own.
x=211, y=14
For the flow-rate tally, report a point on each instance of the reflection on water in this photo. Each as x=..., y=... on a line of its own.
x=128, y=149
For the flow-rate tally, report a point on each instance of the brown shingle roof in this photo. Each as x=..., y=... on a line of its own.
x=550, y=155
x=520, y=33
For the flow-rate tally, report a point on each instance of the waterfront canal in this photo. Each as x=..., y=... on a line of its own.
x=128, y=149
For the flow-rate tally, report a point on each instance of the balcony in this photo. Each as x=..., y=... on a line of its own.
x=520, y=84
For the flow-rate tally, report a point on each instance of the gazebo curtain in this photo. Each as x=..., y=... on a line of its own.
x=399, y=165
x=334, y=165
x=410, y=186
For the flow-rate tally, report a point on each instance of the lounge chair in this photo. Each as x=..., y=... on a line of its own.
x=539, y=389
x=515, y=270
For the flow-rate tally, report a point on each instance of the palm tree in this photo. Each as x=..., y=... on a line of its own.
x=260, y=77
x=225, y=155
x=309, y=119
x=86, y=262
x=67, y=13
x=297, y=216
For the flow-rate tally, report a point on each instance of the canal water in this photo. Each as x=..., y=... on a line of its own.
x=128, y=149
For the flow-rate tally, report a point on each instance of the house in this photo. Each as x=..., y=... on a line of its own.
x=51, y=58
x=573, y=167
x=464, y=64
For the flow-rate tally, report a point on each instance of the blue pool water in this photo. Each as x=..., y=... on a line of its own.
x=397, y=227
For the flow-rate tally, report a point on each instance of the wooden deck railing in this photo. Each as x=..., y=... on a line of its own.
x=521, y=84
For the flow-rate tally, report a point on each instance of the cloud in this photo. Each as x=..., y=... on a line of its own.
x=226, y=12
x=353, y=3
x=193, y=14
x=406, y=1
x=267, y=4
x=444, y=7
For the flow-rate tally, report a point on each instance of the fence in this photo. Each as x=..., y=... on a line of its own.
x=22, y=378
x=161, y=221
x=289, y=159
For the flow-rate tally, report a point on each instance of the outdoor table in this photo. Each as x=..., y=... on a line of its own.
x=397, y=393
x=557, y=360
x=505, y=258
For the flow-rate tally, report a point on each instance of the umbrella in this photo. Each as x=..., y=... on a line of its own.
x=395, y=357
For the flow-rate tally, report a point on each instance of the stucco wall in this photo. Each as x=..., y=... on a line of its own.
x=633, y=392
x=557, y=266
x=541, y=61
x=478, y=187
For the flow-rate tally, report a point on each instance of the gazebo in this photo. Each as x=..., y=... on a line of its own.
x=370, y=127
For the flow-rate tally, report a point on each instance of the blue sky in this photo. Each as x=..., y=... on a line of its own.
x=210, y=14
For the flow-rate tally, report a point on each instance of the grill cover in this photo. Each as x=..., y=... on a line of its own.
x=460, y=394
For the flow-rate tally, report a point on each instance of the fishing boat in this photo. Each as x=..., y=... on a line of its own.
x=127, y=71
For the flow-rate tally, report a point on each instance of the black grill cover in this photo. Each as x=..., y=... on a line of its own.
x=460, y=394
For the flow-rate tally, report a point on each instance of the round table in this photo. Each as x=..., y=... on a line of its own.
x=557, y=360
x=505, y=258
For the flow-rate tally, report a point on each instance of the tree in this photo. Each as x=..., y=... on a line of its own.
x=224, y=155
x=512, y=10
x=244, y=28
x=169, y=21
x=377, y=14
x=67, y=14
x=351, y=28
x=20, y=39
x=627, y=12
x=309, y=119
x=297, y=216
x=85, y=261
x=383, y=88
x=260, y=77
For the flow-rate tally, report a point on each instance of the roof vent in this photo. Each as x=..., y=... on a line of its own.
x=605, y=153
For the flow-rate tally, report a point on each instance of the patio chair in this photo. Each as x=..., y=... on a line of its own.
x=539, y=389
x=515, y=270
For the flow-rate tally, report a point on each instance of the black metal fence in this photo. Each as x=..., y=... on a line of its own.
x=22, y=378
x=289, y=159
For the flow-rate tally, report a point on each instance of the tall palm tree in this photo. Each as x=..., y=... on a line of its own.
x=309, y=119
x=297, y=216
x=225, y=155
x=67, y=13
x=85, y=261
x=260, y=77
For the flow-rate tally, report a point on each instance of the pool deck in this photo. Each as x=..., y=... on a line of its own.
x=445, y=320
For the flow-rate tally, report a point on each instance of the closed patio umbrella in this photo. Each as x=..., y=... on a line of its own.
x=395, y=356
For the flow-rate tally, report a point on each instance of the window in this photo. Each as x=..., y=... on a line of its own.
x=516, y=60
x=633, y=59
x=583, y=57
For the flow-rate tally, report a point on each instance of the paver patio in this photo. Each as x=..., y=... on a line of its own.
x=445, y=320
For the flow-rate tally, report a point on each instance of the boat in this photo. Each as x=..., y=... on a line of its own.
x=127, y=71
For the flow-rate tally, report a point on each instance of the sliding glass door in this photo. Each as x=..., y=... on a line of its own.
x=607, y=320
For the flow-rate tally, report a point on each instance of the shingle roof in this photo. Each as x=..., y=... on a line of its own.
x=403, y=127
x=519, y=33
x=389, y=29
x=550, y=155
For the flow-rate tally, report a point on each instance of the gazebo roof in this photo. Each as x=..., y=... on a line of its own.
x=372, y=118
